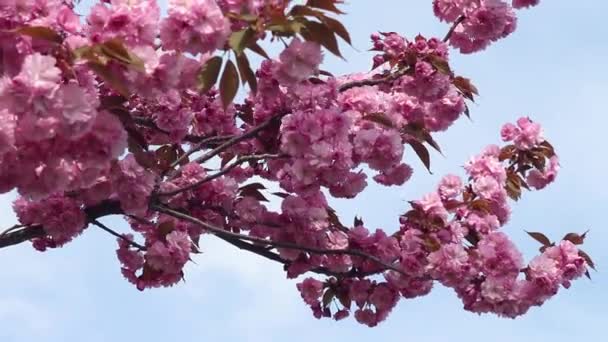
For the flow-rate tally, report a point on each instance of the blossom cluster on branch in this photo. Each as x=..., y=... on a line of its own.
x=133, y=113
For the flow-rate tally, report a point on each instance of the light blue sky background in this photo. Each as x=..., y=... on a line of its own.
x=553, y=69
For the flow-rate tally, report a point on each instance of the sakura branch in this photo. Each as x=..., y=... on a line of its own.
x=276, y=244
x=224, y=171
x=120, y=106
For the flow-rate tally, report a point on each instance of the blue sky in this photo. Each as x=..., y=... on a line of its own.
x=552, y=69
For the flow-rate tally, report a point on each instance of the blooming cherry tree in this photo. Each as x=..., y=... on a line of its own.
x=131, y=113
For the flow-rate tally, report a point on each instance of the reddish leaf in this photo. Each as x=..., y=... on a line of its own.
x=540, y=237
x=328, y=5
x=328, y=296
x=229, y=84
x=358, y=221
x=575, y=238
x=422, y=153
x=209, y=73
x=253, y=186
x=40, y=32
x=344, y=298
x=379, y=118
x=281, y=194
x=440, y=64
x=259, y=50
x=333, y=218
x=587, y=259
x=240, y=40
x=466, y=87
x=320, y=33
x=247, y=75
x=165, y=228
x=253, y=190
x=112, y=80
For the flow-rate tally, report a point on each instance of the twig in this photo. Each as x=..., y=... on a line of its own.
x=254, y=131
x=373, y=81
x=224, y=171
x=132, y=243
x=453, y=28
x=287, y=245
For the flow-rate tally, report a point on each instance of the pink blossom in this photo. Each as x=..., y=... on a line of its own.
x=298, y=61
x=194, y=26
x=450, y=187
x=310, y=290
x=133, y=184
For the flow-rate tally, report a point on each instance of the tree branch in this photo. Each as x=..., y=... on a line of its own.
x=373, y=81
x=27, y=233
x=254, y=131
x=120, y=236
x=224, y=171
x=287, y=245
x=453, y=28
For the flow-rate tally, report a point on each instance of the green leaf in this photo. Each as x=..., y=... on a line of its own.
x=209, y=73
x=422, y=153
x=240, y=40
x=40, y=32
x=229, y=84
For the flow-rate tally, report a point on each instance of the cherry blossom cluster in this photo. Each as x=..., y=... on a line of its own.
x=124, y=111
x=482, y=21
x=452, y=236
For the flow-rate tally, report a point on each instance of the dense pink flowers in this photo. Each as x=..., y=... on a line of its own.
x=483, y=21
x=298, y=61
x=62, y=217
x=133, y=185
x=194, y=26
x=130, y=113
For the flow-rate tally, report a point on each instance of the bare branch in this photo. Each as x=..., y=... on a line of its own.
x=287, y=245
x=373, y=81
x=224, y=171
x=453, y=28
x=120, y=236
x=253, y=132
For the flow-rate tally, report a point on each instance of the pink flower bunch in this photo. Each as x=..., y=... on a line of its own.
x=46, y=121
x=483, y=21
x=194, y=26
x=133, y=21
x=62, y=218
x=133, y=185
x=298, y=61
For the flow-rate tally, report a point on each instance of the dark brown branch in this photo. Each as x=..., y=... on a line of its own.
x=191, y=138
x=120, y=236
x=253, y=132
x=27, y=233
x=266, y=253
x=453, y=28
x=287, y=245
x=224, y=171
x=373, y=81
